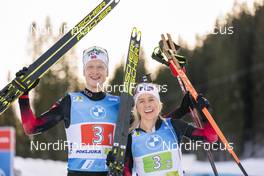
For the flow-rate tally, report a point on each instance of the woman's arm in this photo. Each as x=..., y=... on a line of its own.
x=206, y=133
x=181, y=110
x=186, y=104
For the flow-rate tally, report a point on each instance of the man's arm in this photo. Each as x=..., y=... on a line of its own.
x=34, y=125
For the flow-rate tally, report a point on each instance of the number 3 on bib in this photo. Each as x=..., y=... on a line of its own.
x=156, y=162
x=162, y=161
x=97, y=134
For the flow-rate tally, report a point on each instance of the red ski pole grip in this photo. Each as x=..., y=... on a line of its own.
x=174, y=71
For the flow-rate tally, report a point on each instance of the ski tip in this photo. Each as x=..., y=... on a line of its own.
x=136, y=34
x=139, y=36
x=117, y=1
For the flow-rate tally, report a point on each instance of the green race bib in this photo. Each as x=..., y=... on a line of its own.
x=158, y=162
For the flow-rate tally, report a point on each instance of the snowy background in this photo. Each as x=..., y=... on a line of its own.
x=33, y=167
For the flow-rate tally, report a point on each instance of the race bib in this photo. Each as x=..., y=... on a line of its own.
x=158, y=162
x=97, y=134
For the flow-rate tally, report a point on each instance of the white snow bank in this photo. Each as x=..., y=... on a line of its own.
x=39, y=167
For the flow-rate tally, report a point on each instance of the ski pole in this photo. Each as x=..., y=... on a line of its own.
x=159, y=56
x=176, y=69
x=198, y=123
x=194, y=115
x=207, y=115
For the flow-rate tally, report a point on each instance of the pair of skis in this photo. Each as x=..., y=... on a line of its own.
x=126, y=104
x=167, y=54
x=37, y=69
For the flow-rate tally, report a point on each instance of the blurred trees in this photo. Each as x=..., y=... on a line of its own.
x=228, y=70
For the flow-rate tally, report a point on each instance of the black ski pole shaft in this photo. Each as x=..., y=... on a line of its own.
x=199, y=124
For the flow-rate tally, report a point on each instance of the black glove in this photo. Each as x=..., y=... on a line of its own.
x=202, y=102
x=22, y=72
x=110, y=158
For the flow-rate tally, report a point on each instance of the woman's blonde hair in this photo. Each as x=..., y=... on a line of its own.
x=136, y=117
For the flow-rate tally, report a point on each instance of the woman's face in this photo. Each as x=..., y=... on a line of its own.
x=148, y=106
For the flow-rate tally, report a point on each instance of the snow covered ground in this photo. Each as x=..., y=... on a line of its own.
x=33, y=167
x=254, y=167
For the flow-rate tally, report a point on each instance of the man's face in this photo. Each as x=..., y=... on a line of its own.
x=95, y=73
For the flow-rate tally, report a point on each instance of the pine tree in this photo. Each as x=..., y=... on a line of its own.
x=258, y=85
